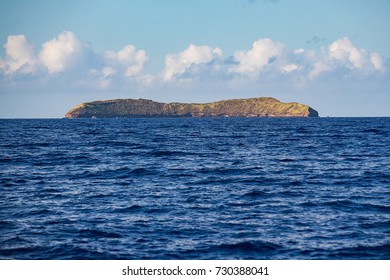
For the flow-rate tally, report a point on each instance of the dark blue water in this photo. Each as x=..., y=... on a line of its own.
x=229, y=188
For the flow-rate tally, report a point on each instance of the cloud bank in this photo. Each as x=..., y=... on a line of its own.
x=73, y=62
x=68, y=59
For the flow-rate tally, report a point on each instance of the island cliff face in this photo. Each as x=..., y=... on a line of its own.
x=251, y=107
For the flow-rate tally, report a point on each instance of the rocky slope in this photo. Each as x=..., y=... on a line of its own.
x=251, y=107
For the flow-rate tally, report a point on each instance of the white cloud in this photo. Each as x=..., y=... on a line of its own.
x=108, y=72
x=20, y=56
x=67, y=51
x=318, y=68
x=299, y=51
x=289, y=68
x=377, y=61
x=343, y=53
x=105, y=76
x=177, y=64
x=117, y=68
x=61, y=53
x=129, y=58
x=254, y=60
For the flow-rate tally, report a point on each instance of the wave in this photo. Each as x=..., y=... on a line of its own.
x=195, y=189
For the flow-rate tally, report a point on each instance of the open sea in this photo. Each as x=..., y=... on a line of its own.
x=195, y=188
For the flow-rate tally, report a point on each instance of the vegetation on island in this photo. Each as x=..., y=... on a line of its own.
x=251, y=107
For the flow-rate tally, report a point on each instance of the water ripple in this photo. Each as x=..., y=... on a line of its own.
x=229, y=188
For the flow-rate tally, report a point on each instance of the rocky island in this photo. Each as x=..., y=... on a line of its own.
x=250, y=107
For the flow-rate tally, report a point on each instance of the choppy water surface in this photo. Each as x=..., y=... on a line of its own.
x=223, y=188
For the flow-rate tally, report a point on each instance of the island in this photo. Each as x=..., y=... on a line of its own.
x=249, y=107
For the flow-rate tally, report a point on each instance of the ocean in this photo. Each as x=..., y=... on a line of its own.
x=195, y=188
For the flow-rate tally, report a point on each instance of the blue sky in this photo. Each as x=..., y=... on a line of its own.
x=332, y=55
